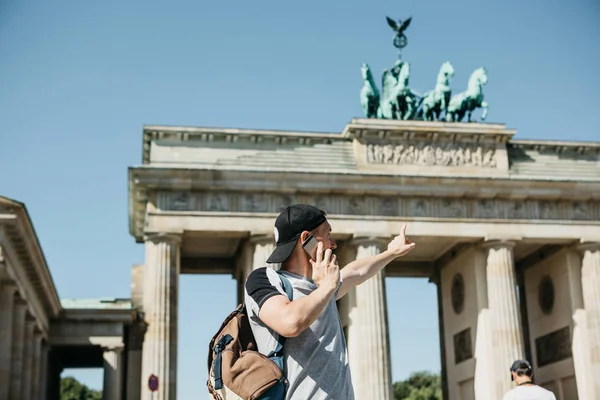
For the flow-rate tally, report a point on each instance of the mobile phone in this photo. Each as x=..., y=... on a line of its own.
x=310, y=246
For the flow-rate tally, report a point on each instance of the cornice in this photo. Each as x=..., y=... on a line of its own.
x=556, y=146
x=392, y=130
x=152, y=178
x=230, y=135
x=22, y=233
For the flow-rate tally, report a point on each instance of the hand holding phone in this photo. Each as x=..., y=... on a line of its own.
x=325, y=268
x=310, y=246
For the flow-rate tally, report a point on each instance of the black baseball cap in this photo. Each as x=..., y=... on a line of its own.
x=292, y=221
x=521, y=365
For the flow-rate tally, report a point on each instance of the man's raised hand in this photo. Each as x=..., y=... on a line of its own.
x=401, y=246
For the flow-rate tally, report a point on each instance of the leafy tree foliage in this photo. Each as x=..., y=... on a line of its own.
x=420, y=385
x=71, y=389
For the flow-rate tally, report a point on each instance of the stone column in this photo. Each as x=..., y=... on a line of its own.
x=262, y=247
x=112, y=388
x=7, y=295
x=437, y=280
x=36, y=365
x=18, y=336
x=54, y=370
x=254, y=255
x=161, y=295
x=590, y=282
x=368, y=339
x=26, y=382
x=43, y=371
x=505, y=321
x=135, y=344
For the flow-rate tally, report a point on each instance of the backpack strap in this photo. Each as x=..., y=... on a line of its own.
x=224, y=341
x=287, y=286
x=289, y=291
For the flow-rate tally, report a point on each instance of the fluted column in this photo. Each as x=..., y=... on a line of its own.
x=18, y=336
x=135, y=344
x=7, y=295
x=112, y=389
x=43, y=370
x=161, y=294
x=437, y=280
x=254, y=255
x=36, y=365
x=262, y=247
x=368, y=338
x=505, y=321
x=590, y=282
x=28, y=358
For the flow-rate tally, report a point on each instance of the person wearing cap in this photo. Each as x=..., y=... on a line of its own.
x=521, y=373
x=316, y=357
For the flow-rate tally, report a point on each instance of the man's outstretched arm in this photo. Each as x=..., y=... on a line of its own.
x=359, y=271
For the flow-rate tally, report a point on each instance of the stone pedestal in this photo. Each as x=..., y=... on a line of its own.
x=7, y=295
x=28, y=350
x=112, y=387
x=17, y=348
x=161, y=295
x=590, y=282
x=368, y=340
x=505, y=322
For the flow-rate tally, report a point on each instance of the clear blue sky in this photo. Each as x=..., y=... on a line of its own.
x=79, y=79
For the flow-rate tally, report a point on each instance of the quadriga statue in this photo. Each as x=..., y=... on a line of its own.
x=435, y=102
x=369, y=94
x=466, y=102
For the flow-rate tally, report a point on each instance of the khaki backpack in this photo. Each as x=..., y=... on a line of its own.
x=236, y=370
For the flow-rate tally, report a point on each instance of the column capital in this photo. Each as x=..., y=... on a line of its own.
x=8, y=284
x=113, y=349
x=367, y=239
x=107, y=342
x=30, y=319
x=256, y=238
x=587, y=245
x=20, y=302
x=500, y=242
x=173, y=238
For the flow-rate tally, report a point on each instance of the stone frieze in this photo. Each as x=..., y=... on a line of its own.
x=412, y=207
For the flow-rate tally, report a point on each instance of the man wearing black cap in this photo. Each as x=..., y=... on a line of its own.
x=522, y=373
x=316, y=358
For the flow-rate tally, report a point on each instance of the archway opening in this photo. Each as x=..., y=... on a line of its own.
x=413, y=324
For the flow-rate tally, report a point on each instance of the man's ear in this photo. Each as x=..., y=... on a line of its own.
x=303, y=236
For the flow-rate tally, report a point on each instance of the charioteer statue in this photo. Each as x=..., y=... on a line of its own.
x=398, y=101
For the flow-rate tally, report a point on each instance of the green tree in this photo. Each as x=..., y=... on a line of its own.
x=71, y=389
x=420, y=385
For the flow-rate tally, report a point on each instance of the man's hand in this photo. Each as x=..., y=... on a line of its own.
x=326, y=271
x=401, y=246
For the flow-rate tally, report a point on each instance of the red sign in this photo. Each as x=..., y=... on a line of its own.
x=153, y=383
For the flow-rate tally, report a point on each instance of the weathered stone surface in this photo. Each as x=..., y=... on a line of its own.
x=426, y=207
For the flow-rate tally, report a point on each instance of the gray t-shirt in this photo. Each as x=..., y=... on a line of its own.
x=316, y=361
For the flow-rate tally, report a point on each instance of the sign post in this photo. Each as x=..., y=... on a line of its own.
x=152, y=384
